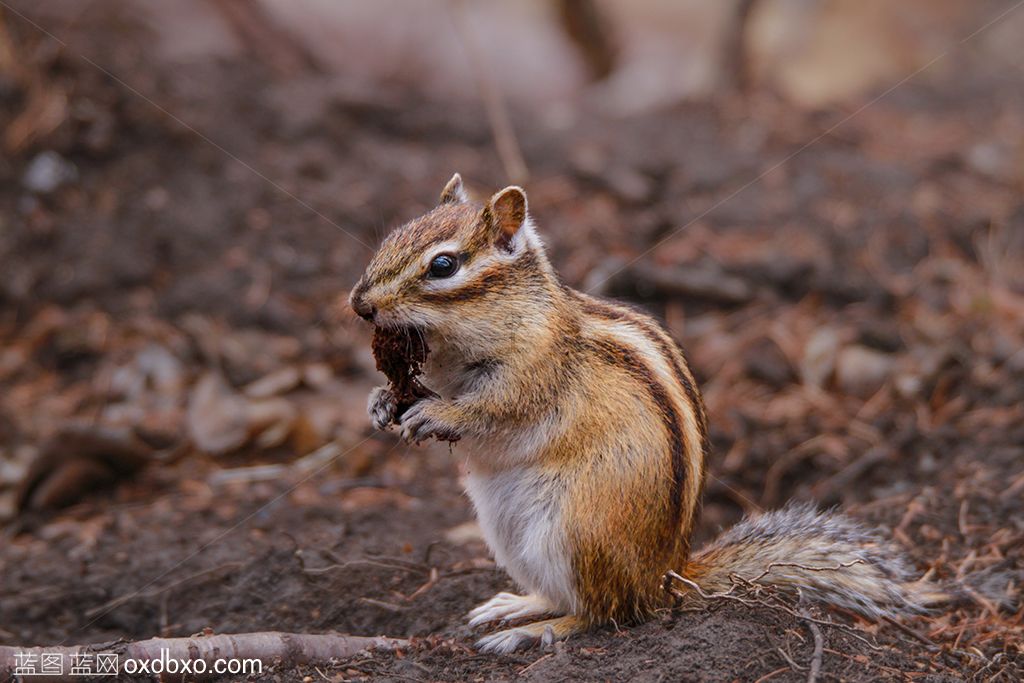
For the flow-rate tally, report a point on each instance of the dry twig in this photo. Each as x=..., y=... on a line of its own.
x=265, y=39
x=760, y=596
x=267, y=647
x=819, y=645
x=591, y=34
x=497, y=114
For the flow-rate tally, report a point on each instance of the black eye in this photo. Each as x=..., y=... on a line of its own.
x=443, y=265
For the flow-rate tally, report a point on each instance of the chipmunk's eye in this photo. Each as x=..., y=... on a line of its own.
x=443, y=265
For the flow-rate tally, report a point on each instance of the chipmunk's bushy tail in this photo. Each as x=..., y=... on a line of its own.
x=825, y=557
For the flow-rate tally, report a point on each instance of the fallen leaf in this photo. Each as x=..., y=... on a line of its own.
x=217, y=417
x=77, y=460
x=278, y=382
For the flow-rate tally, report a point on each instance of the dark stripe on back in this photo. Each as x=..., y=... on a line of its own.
x=621, y=356
x=620, y=313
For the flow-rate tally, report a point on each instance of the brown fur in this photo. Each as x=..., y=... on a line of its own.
x=407, y=243
x=593, y=402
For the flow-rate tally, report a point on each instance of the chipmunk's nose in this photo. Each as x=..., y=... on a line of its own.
x=363, y=308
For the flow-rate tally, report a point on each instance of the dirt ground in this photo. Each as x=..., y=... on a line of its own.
x=853, y=309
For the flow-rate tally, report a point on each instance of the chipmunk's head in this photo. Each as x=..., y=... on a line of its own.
x=455, y=266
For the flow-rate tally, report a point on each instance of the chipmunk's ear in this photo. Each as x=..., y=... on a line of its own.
x=505, y=214
x=453, y=193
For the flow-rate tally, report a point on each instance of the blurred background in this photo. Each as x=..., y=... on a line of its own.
x=821, y=198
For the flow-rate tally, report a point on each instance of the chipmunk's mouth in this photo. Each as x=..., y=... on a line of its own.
x=400, y=353
x=387, y=321
x=399, y=317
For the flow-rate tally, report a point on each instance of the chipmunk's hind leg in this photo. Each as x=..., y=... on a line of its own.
x=508, y=606
x=546, y=632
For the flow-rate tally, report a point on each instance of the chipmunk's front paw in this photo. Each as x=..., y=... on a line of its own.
x=421, y=422
x=382, y=407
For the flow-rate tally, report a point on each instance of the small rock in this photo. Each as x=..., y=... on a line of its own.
x=819, y=359
x=464, y=533
x=862, y=371
x=47, y=172
x=991, y=159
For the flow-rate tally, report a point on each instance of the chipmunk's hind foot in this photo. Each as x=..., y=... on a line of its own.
x=545, y=632
x=508, y=606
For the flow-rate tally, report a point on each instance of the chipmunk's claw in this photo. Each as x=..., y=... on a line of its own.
x=545, y=632
x=418, y=424
x=505, y=607
x=382, y=407
x=505, y=642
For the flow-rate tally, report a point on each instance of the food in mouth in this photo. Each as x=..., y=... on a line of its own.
x=400, y=353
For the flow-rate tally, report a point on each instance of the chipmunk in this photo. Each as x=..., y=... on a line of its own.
x=587, y=437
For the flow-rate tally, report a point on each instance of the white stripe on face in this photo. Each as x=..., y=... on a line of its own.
x=467, y=271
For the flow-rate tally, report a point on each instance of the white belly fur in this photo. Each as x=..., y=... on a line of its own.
x=521, y=519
